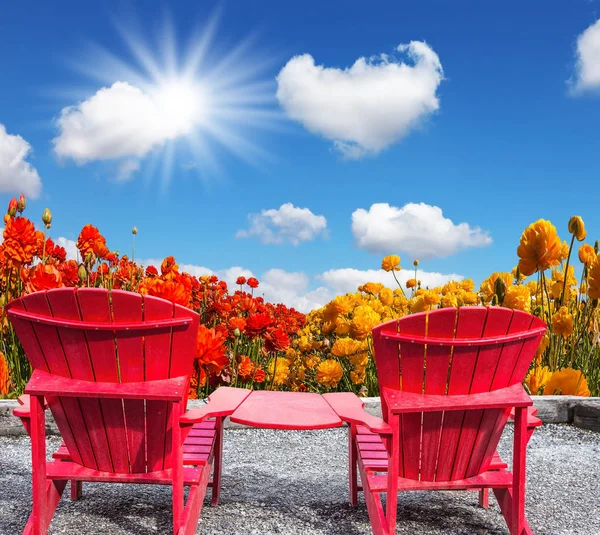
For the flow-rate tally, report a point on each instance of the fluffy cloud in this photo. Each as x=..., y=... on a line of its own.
x=286, y=224
x=121, y=121
x=587, y=68
x=294, y=289
x=367, y=107
x=126, y=170
x=418, y=229
x=16, y=174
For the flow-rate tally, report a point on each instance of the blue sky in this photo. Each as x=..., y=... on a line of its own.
x=481, y=124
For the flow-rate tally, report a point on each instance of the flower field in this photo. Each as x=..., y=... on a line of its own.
x=246, y=342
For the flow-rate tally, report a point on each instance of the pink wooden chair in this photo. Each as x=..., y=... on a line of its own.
x=449, y=382
x=114, y=370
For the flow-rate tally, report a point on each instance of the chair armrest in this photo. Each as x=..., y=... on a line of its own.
x=222, y=402
x=532, y=419
x=350, y=409
x=407, y=402
x=47, y=384
x=24, y=409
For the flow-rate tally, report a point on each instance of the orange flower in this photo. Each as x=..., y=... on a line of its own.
x=259, y=375
x=245, y=369
x=411, y=283
x=567, y=382
x=562, y=322
x=4, y=377
x=178, y=290
x=594, y=279
x=20, y=240
x=537, y=379
x=210, y=350
x=587, y=254
x=89, y=241
x=252, y=282
x=168, y=265
x=68, y=271
x=277, y=340
x=237, y=323
x=540, y=248
x=43, y=277
x=257, y=324
x=329, y=373
x=577, y=228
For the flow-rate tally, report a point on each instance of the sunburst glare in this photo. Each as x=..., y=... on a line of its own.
x=167, y=93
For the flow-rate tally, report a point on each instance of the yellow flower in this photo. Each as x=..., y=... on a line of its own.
x=340, y=306
x=304, y=344
x=329, y=373
x=540, y=248
x=386, y=296
x=311, y=361
x=358, y=376
x=431, y=297
x=562, y=322
x=469, y=298
x=542, y=347
x=372, y=288
x=391, y=263
x=567, y=382
x=467, y=285
x=343, y=347
x=587, y=255
x=342, y=327
x=365, y=318
x=577, y=228
x=411, y=283
x=449, y=301
x=518, y=298
x=594, y=279
x=360, y=360
x=281, y=368
x=537, y=378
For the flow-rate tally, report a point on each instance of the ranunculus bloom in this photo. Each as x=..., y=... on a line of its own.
x=151, y=272
x=562, y=322
x=277, y=340
x=594, y=279
x=252, y=282
x=20, y=240
x=540, y=248
x=168, y=265
x=411, y=283
x=329, y=373
x=567, y=382
x=237, y=323
x=537, y=378
x=245, y=369
x=210, y=350
x=4, y=378
x=344, y=347
x=68, y=271
x=518, y=298
x=587, y=255
x=90, y=240
x=240, y=280
x=43, y=277
x=391, y=263
x=257, y=324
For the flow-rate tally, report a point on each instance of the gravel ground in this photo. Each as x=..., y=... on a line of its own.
x=295, y=482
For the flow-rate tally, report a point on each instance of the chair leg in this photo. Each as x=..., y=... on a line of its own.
x=39, y=515
x=76, y=490
x=217, y=462
x=352, y=465
x=393, y=472
x=177, y=468
x=484, y=498
x=519, y=463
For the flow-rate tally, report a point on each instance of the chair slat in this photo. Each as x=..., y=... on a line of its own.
x=127, y=307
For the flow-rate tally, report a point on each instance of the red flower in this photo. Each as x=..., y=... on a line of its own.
x=277, y=340
x=245, y=368
x=257, y=324
x=240, y=280
x=259, y=375
x=68, y=270
x=151, y=272
x=20, y=240
x=90, y=240
x=43, y=277
x=252, y=282
x=237, y=323
x=168, y=265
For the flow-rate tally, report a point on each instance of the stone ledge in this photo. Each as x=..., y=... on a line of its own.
x=581, y=412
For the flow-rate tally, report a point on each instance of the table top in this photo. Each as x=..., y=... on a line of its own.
x=286, y=410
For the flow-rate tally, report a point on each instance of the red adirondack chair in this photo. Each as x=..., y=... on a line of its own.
x=114, y=369
x=449, y=382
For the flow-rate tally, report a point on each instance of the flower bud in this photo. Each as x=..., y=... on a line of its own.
x=12, y=207
x=495, y=300
x=577, y=228
x=237, y=332
x=596, y=247
x=416, y=263
x=47, y=218
x=21, y=203
x=82, y=272
x=134, y=231
x=500, y=289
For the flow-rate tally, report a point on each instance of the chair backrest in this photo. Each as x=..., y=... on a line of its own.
x=114, y=336
x=450, y=352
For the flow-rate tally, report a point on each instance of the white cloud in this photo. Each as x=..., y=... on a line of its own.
x=587, y=67
x=16, y=174
x=286, y=224
x=367, y=107
x=296, y=289
x=120, y=121
x=126, y=170
x=418, y=229
x=70, y=246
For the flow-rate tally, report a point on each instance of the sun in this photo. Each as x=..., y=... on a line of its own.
x=200, y=101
